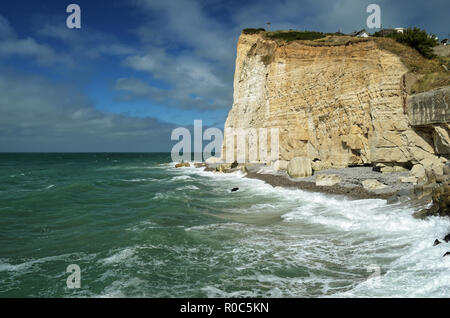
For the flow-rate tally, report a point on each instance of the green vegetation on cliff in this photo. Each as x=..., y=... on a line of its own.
x=253, y=31
x=425, y=73
x=415, y=48
x=416, y=38
x=291, y=35
x=287, y=36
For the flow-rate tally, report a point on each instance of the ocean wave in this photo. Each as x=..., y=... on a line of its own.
x=183, y=177
x=140, y=180
x=24, y=267
x=188, y=187
x=161, y=196
x=119, y=256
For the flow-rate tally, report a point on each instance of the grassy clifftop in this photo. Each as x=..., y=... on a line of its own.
x=425, y=74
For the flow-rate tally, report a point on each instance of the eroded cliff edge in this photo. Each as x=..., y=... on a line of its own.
x=338, y=105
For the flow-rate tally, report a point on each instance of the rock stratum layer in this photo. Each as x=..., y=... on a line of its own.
x=339, y=106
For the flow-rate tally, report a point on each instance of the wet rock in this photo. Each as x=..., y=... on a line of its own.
x=223, y=167
x=436, y=242
x=447, y=238
x=401, y=196
x=446, y=254
x=426, y=212
x=437, y=190
x=183, y=164
x=422, y=191
x=234, y=189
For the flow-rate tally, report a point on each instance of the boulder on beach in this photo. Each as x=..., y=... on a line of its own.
x=234, y=164
x=389, y=168
x=299, y=167
x=373, y=184
x=436, y=242
x=327, y=180
x=411, y=179
x=280, y=165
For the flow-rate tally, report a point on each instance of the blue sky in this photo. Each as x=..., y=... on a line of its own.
x=139, y=68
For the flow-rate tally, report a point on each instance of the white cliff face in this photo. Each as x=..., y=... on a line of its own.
x=336, y=105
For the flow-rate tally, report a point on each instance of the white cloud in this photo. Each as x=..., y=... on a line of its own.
x=137, y=88
x=91, y=44
x=37, y=115
x=194, y=82
x=185, y=23
x=188, y=50
x=6, y=31
x=12, y=46
x=43, y=54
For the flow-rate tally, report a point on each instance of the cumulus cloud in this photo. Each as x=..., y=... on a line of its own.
x=6, y=31
x=37, y=115
x=188, y=50
x=185, y=23
x=194, y=82
x=12, y=46
x=137, y=88
x=92, y=44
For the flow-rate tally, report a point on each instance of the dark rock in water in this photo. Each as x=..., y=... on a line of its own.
x=234, y=189
x=400, y=196
x=436, y=242
x=234, y=164
x=447, y=238
x=433, y=210
x=446, y=254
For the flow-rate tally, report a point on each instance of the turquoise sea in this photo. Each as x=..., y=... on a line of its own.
x=138, y=227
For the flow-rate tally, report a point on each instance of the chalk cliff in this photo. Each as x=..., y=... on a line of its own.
x=338, y=105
